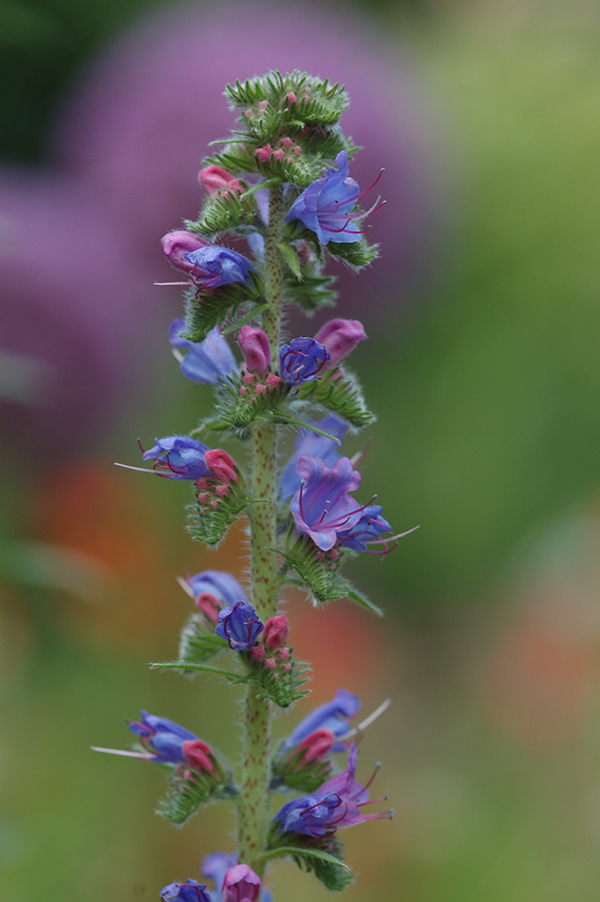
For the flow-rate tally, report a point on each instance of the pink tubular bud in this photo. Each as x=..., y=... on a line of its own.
x=257, y=653
x=197, y=754
x=340, y=336
x=216, y=180
x=263, y=154
x=221, y=465
x=279, y=154
x=273, y=381
x=256, y=349
x=209, y=606
x=276, y=630
x=316, y=746
x=241, y=884
x=271, y=663
x=284, y=654
x=176, y=244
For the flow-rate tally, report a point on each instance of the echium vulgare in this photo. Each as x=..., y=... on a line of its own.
x=281, y=188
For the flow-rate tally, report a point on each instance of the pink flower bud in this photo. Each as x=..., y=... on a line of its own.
x=279, y=154
x=197, y=753
x=256, y=349
x=221, y=465
x=260, y=389
x=283, y=654
x=273, y=381
x=257, y=653
x=271, y=663
x=263, y=154
x=241, y=884
x=276, y=630
x=316, y=746
x=216, y=180
x=209, y=605
x=340, y=336
x=176, y=244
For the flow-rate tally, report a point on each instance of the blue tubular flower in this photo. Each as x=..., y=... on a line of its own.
x=302, y=360
x=190, y=891
x=205, y=361
x=181, y=456
x=333, y=715
x=368, y=529
x=309, y=442
x=222, y=585
x=163, y=738
x=240, y=625
x=322, y=506
x=215, y=266
x=325, y=207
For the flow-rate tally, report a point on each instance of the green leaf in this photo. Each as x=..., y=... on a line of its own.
x=306, y=853
x=365, y=602
x=320, y=855
x=340, y=393
x=291, y=258
x=254, y=312
x=186, y=666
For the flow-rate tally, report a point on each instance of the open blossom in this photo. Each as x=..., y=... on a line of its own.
x=340, y=336
x=216, y=180
x=338, y=803
x=176, y=244
x=309, y=442
x=368, y=529
x=214, y=589
x=333, y=716
x=167, y=742
x=326, y=206
x=302, y=360
x=256, y=349
x=322, y=507
x=190, y=891
x=240, y=625
x=179, y=457
x=241, y=884
x=205, y=361
x=213, y=266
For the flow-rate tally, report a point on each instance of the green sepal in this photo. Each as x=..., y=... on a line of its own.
x=364, y=602
x=288, y=770
x=280, y=687
x=188, y=789
x=225, y=212
x=210, y=524
x=206, y=309
x=339, y=391
x=312, y=289
x=189, y=667
x=317, y=571
x=356, y=254
x=322, y=856
x=289, y=254
x=199, y=642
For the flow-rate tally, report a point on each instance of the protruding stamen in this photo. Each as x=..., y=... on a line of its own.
x=186, y=587
x=367, y=721
x=126, y=754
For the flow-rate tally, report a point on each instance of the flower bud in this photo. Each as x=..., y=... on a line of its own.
x=221, y=465
x=209, y=606
x=316, y=746
x=276, y=630
x=197, y=755
x=241, y=884
x=216, y=180
x=340, y=336
x=176, y=244
x=256, y=349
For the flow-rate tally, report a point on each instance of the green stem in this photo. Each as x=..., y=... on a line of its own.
x=253, y=802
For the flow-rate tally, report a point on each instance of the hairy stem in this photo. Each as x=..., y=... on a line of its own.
x=253, y=803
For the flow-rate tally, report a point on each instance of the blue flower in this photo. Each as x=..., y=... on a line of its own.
x=302, y=360
x=215, y=266
x=206, y=361
x=309, y=442
x=181, y=456
x=162, y=737
x=322, y=507
x=240, y=625
x=222, y=585
x=368, y=529
x=325, y=207
x=190, y=891
x=333, y=715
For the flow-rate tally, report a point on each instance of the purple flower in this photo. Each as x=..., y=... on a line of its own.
x=333, y=715
x=322, y=507
x=241, y=884
x=340, y=336
x=177, y=244
x=162, y=738
x=190, y=891
x=205, y=361
x=309, y=442
x=181, y=456
x=240, y=625
x=214, y=867
x=368, y=529
x=325, y=207
x=302, y=360
x=337, y=804
x=214, y=266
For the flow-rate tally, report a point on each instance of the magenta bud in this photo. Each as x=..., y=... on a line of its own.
x=276, y=630
x=197, y=754
x=221, y=465
x=241, y=884
x=340, y=336
x=316, y=746
x=209, y=605
x=256, y=349
x=216, y=180
x=176, y=244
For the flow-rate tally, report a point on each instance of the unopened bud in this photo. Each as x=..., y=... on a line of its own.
x=209, y=606
x=241, y=884
x=221, y=465
x=256, y=349
x=176, y=244
x=197, y=754
x=276, y=630
x=340, y=336
x=216, y=180
x=316, y=746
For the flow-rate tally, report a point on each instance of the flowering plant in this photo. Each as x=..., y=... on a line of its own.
x=282, y=184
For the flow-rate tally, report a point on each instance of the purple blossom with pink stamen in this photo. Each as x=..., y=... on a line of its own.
x=213, y=266
x=322, y=507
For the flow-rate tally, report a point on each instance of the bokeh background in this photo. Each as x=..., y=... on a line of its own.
x=483, y=365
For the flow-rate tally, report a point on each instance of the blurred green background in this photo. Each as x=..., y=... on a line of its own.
x=488, y=396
